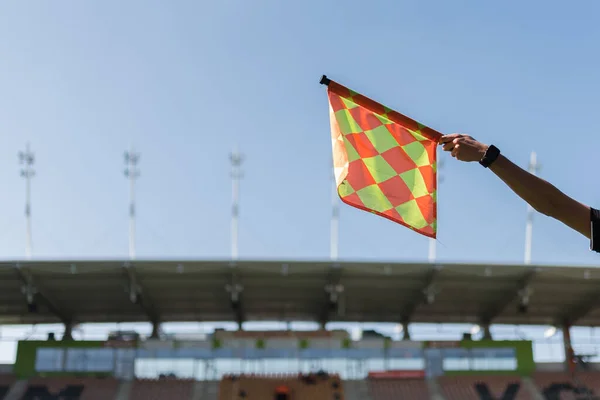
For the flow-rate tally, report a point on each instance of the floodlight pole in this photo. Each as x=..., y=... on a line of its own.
x=27, y=158
x=132, y=173
x=335, y=206
x=533, y=168
x=433, y=242
x=335, y=222
x=432, y=250
x=236, y=160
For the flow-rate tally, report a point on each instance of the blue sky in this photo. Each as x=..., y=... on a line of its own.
x=185, y=81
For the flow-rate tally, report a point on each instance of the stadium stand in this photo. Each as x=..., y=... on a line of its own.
x=162, y=389
x=561, y=386
x=6, y=380
x=356, y=389
x=320, y=386
x=137, y=362
x=71, y=389
x=553, y=384
x=590, y=380
x=487, y=387
x=387, y=389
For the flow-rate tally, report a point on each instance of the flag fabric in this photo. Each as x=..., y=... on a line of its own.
x=384, y=162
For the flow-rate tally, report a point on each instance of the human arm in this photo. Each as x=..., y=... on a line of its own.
x=540, y=194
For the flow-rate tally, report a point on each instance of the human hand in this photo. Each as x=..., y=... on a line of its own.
x=463, y=147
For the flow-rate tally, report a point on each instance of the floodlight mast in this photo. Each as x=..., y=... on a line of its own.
x=335, y=222
x=534, y=169
x=132, y=172
x=335, y=206
x=236, y=159
x=27, y=159
x=432, y=255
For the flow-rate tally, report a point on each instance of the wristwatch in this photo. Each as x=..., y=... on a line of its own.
x=595, y=230
x=491, y=155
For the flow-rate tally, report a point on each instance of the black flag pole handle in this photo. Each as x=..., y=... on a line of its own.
x=325, y=80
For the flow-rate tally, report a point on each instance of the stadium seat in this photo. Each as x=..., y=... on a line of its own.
x=391, y=389
x=254, y=387
x=561, y=385
x=71, y=388
x=590, y=380
x=6, y=381
x=478, y=387
x=554, y=382
x=162, y=389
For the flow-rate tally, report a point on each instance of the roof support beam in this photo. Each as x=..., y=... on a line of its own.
x=155, y=330
x=579, y=311
x=498, y=308
x=68, y=335
x=235, y=289
x=138, y=295
x=35, y=292
x=405, y=331
x=332, y=291
x=487, y=333
x=426, y=294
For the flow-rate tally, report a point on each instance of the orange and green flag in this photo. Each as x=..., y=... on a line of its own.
x=384, y=162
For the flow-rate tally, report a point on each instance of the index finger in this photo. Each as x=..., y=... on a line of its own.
x=449, y=138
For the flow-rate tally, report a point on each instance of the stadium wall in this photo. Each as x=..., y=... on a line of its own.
x=520, y=354
x=523, y=352
x=27, y=351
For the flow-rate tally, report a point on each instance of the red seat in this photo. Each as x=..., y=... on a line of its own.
x=565, y=383
x=589, y=379
x=162, y=389
x=391, y=389
x=263, y=387
x=465, y=387
x=92, y=388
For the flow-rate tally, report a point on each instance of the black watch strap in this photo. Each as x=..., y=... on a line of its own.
x=490, y=156
x=595, y=230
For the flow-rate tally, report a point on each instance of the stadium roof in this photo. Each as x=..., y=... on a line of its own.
x=168, y=291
